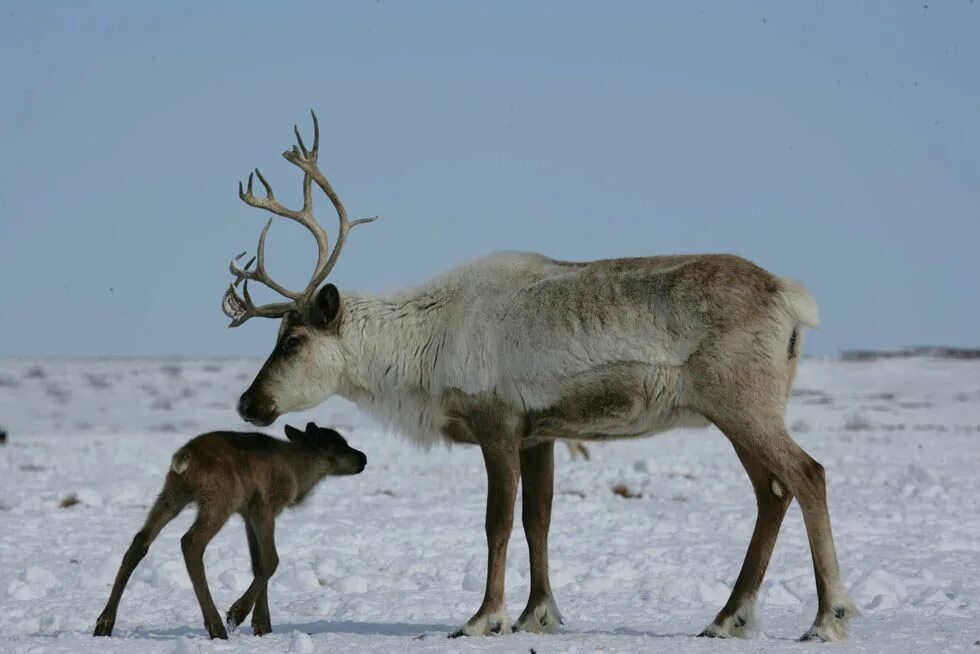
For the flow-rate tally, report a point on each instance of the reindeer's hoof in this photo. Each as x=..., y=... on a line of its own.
x=234, y=617
x=483, y=624
x=104, y=625
x=831, y=626
x=732, y=626
x=540, y=617
x=216, y=630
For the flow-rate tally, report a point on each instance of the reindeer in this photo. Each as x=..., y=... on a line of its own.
x=254, y=475
x=514, y=350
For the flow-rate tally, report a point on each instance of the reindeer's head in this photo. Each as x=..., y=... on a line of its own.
x=328, y=450
x=307, y=364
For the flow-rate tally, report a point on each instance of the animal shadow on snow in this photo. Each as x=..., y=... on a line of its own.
x=312, y=628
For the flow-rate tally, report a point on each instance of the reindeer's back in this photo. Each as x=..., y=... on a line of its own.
x=226, y=464
x=525, y=320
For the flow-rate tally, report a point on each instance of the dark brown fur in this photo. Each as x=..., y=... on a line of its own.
x=251, y=474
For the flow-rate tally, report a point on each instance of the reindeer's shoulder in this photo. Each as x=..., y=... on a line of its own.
x=508, y=266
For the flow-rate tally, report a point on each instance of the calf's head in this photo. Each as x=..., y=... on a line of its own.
x=328, y=451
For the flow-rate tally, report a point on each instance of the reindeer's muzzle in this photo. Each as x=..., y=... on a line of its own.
x=361, y=461
x=257, y=408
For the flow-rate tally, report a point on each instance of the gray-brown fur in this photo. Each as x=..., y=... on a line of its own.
x=514, y=350
x=251, y=474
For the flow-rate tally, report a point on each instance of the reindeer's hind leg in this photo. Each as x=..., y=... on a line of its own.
x=766, y=440
x=262, y=548
x=211, y=517
x=577, y=449
x=168, y=504
x=772, y=500
x=269, y=561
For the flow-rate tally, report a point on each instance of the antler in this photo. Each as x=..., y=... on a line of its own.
x=306, y=160
x=240, y=309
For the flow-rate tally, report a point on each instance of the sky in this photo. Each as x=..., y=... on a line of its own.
x=837, y=143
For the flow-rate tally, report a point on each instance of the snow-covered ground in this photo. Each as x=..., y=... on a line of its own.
x=394, y=559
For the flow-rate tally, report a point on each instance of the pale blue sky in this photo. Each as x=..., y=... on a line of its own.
x=834, y=142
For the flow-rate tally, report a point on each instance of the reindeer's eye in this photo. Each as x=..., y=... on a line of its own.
x=291, y=343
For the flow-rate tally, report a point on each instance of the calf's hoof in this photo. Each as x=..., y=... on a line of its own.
x=216, y=630
x=103, y=626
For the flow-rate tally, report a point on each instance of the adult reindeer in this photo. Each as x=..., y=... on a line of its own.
x=514, y=350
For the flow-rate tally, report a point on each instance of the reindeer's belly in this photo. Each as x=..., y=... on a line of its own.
x=613, y=401
x=622, y=400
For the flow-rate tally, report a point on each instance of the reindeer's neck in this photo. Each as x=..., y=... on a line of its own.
x=394, y=345
x=306, y=476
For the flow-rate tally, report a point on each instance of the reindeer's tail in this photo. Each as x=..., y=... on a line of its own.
x=180, y=461
x=799, y=304
x=802, y=310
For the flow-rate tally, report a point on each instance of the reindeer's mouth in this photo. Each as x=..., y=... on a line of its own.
x=257, y=410
x=262, y=422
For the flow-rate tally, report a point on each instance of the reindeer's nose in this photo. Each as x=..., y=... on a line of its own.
x=256, y=409
x=244, y=406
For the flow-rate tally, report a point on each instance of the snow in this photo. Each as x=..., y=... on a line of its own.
x=394, y=559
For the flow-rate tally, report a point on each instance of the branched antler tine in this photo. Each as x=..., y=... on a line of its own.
x=240, y=309
x=247, y=266
x=268, y=189
x=316, y=134
x=363, y=221
x=260, y=251
x=299, y=140
x=308, y=197
x=259, y=274
x=247, y=296
x=239, y=273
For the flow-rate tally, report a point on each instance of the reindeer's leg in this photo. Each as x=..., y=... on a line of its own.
x=209, y=521
x=538, y=479
x=168, y=504
x=502, y=459
x=262, y=548
x=772, y=500
x=767, y=441
x=577, y=449
x=243, y=605
x=265, y=536
x=261, y=622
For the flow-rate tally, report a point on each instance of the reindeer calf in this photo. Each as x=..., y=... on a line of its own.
x=254, y=475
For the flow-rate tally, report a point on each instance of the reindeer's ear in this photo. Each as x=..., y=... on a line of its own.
x=326, y=306
x=294, y=434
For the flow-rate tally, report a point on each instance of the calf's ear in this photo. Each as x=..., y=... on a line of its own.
x=294, y=434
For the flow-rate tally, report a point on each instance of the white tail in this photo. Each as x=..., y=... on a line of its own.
x=799, y=303
x=181, y=459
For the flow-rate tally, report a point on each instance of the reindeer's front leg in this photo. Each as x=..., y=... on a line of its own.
x=502, y=459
